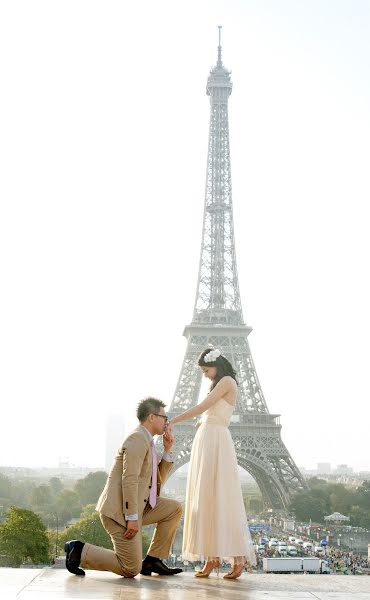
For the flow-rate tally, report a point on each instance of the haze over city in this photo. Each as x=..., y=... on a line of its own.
x=104, y=146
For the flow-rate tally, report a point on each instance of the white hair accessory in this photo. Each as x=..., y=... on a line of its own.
x=212, y=355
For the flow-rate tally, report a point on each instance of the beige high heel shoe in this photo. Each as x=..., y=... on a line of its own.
x=208, y=568
x=235, y=573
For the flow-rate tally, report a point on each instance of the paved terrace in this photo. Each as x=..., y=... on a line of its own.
x=58, y=584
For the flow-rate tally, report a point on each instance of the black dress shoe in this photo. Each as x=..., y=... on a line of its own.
x=155, y=565
x=73, y=551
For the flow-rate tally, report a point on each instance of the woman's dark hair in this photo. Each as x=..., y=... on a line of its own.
x=223, y=366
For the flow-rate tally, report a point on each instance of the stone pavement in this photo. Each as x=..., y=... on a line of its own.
x=58, y=584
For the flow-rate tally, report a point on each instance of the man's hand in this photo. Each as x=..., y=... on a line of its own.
x=168, y=439
x=132, y=529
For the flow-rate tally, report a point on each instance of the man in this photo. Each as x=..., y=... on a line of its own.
x=131, y=499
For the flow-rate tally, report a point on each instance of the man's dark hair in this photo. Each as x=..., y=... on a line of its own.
x=149, y=406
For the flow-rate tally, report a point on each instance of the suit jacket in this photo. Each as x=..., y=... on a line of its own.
x=128, y=485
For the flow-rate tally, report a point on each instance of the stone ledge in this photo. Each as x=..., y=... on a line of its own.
x=57, y=584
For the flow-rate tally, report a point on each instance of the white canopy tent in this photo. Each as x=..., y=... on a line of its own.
x=337, y=517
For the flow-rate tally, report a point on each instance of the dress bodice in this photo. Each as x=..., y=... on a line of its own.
x=219, y=413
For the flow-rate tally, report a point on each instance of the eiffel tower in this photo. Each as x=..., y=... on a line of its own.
x=218, y=320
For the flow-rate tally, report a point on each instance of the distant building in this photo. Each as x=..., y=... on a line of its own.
x=289, y=524
x=116, y=429
x=323, y=468
x=343, y=470
x=62, y=472
x=307, y=472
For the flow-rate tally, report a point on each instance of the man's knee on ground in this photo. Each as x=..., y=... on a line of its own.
x=132, y=571
x=130, y=574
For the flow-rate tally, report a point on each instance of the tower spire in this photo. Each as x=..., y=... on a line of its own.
x=219, y=58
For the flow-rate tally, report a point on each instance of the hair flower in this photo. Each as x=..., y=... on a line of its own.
x=212, y=355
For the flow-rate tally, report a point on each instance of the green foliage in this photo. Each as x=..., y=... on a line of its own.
x=363, y=496
x=67, y=506
x=145, y=541
x=309, y=505
x=324, y=498
x=56, y=543
x=88, y=510
x=23, y=537
x=41, y=497
x=360, y=517
x=56, y=548
x=21, y=493
x=90, y=487
x=53, y=502
x=56, y=485
x=253, y=503
x=89, y=529
x=341, y=498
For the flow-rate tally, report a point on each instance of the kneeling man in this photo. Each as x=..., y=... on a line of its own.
x=130, y=499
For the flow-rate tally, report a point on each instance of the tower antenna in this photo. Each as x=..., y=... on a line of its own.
x=219, y=59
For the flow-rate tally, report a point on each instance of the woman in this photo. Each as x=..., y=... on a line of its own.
x=215, y=524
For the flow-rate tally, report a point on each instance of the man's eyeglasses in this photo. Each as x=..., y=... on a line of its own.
x=163, y=416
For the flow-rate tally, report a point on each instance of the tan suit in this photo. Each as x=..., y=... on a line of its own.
x=126, y=492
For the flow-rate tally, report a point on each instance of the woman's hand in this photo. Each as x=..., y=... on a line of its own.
x=168, y=432
x=168, y=439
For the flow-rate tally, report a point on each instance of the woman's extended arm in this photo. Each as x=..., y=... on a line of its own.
x=225, y=385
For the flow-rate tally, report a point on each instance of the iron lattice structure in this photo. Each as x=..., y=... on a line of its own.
x=218, y=320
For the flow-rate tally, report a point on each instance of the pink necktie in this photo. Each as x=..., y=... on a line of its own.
x=153, y=489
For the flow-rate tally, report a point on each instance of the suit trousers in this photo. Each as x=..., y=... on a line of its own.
x=126, y=557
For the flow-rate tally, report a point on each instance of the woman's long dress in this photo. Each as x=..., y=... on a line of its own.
x=215, y=523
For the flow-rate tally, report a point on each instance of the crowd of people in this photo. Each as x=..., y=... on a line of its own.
x=346, y=562
x=339, y=560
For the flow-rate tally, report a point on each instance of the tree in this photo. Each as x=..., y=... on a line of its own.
x=145, y=542
x=56, y=485
x=341, y=498
x=363, y=495
x=23, y=537
x=21, y=492
x=254, y=504
x=67, y=506
x=56, y=547
x=88, y=509
x=359, y=517
x=89, y=529
x=310, y=505
x=324, y=498
x=90, y=487
x=41, y=498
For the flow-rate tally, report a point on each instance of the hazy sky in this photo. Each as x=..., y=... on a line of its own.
x=103, y=141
